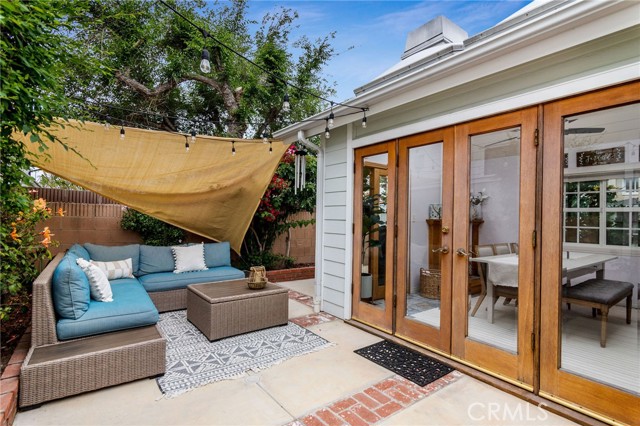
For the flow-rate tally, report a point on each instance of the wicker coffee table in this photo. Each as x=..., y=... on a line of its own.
x=228, y=308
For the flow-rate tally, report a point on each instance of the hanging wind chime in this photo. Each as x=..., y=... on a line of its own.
x=300, y=170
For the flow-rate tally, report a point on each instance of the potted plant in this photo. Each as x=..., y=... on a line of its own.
x=373, y=231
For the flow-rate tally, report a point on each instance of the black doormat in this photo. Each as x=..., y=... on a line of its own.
x=411, y=365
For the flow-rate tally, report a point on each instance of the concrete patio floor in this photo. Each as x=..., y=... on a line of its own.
x=333, y=386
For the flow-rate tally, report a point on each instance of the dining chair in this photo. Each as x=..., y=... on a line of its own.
x=482, y=250
x=502, y=248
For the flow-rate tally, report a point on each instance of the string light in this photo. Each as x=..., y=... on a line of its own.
x=205, y=65
x=331, y=117
x=122, y=132
x=265, y=137
x=364, y=118
x=233, y=148
x=193, y=136
x=270, y=148
x=285, y=108
x=186, y=144
x=327, y=133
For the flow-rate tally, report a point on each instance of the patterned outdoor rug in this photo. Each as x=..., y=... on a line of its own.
x=193, y=361
x=411, y=365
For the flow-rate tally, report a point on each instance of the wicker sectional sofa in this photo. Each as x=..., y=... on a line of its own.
x=110, y=343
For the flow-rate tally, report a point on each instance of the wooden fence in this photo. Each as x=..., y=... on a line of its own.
x=89, y=217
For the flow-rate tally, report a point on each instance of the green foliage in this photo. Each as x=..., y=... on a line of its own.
x=271, y=261
x=154, y=232
x=34, y=56
x=48, y=180
x=278, y=203
x=154, y=56
x=23, y=248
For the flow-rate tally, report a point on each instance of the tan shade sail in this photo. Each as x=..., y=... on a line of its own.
x=206, y=190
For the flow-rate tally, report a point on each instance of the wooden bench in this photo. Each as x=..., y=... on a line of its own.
x=599, y=294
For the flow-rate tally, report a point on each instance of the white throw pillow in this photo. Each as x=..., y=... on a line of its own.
x=98, y=282
x=189, y=258
x=116, y=269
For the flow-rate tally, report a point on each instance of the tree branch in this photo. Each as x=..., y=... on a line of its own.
x=144, y=90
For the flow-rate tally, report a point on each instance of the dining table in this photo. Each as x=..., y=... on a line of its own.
x=503, y=270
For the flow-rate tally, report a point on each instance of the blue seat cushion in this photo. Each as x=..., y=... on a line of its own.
x=111, y=253
x=131, y=307
x=155, y=259
x=217, y=254
x=79, y=251
x=163, y=281
x=70, y=289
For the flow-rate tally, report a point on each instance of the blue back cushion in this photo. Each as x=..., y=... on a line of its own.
x=155, y=259
x=80, y=251
x=110, y=253
x=217, y=254
x=70, y=289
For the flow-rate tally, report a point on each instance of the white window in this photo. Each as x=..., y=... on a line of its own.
x=602, y=212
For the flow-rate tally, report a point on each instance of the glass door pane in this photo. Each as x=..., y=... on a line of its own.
x=493, y=262
x=373, y=237
x=601, y=257
x=425, y=235
x=374, y=229
x=425, y=204
x=589, y=326
x=494, y=205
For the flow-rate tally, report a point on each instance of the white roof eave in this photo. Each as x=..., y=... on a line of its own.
x=497, y=42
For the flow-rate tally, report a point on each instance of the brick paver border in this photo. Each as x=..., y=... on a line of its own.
x=375, y=403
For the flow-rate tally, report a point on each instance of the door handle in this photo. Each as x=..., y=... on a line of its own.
x=463, y=252
x=443, y=250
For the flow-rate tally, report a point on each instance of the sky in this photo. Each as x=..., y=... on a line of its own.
x=371, y=35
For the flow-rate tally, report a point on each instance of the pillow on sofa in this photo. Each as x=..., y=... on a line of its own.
x=116, y=269
x=189, y=258
x=110, y=253
x=79, y=251
x=100, y=288
x=70, y=289
x=217, y=254
x=155, y=259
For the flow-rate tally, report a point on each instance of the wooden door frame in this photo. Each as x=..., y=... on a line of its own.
x=438, y=340
x=516, y=368
x=381, y=319
x=598, y=400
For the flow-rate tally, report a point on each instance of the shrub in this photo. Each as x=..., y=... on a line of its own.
x=153, y=232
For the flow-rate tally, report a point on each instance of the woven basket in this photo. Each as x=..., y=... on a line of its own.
x=430, y=283
x=257, y=278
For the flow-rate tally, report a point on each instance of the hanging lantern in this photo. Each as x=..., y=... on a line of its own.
x=300, y=170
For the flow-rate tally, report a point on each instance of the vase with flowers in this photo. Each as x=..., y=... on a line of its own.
x=475, y=202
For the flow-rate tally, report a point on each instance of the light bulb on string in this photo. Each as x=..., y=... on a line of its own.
x=186, y=145
x=364, y=119
x=331, y=117
x=122, y=132
x=270, y=148
x=193, y=136
x=205, y=65
x=286, y=106
x=265, y=137
x=327, y=133
x=233, y=148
